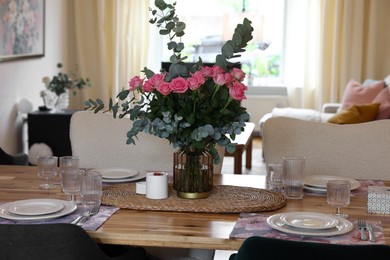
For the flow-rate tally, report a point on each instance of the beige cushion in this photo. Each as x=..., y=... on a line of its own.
x=356, y=150
x=100, y=142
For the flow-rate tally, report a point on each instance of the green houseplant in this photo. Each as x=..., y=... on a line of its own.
x=59, y=85
x=193, y=108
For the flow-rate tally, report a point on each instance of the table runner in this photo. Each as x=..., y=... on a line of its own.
x=92, y=224
x=223, y=199
x=254, y=224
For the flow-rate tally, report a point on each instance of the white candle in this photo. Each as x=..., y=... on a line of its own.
x=156, y=185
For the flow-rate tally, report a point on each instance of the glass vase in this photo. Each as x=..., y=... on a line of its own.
x=193, y=174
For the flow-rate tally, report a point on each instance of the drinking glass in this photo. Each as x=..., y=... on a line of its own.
x=338, y=193
x=293, y=175
x=71, y=180
x=91, y=188
x=274, y=178
x=70, y=176
x=47, y=168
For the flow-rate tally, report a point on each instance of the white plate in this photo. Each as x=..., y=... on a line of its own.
x=309, y=220
x=343, y=227
x=134, y=178
x=69, y=207
x=35, y=207
x=117, y=173
x=319, y=181
x=314, y=189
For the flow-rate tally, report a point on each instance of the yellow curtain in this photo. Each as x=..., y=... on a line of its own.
x=111, y=44
x=332, y=42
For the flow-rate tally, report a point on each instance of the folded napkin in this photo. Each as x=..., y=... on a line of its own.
x=254, y=224
x=93, y=222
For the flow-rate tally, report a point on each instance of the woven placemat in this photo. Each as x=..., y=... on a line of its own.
x=223, y=199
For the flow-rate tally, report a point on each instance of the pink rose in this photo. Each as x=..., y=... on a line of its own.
x=206, y=71
x=216, y=70
x=196, y=80
x=178, y=85
x=193, y=83
x=238, y=74
x=135, y=82
x=164, y=88
x=156, y=79
x=228, y=78
x=147, y=87
x=237, y=91
x=219, y=79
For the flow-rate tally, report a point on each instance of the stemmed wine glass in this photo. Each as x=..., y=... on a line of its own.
x=338, y=195
x=47, y=168
x=70, y=175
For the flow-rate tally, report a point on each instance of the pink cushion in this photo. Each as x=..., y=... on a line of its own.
x=357, y=94
x=384, y=99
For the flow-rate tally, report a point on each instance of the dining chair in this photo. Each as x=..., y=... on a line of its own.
x=56, y=241
x=255, y=248
x=13, y=159
x=100, y=142
x=360, y=151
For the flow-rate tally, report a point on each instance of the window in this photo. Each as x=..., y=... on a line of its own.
x=210, y=23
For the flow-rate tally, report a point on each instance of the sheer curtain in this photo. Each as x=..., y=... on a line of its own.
x=111, y=44
x=328, y=42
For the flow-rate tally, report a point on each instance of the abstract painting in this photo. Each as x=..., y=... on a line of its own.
x=22, y=33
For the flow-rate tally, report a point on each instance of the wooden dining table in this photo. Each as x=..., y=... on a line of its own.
x=176, y=229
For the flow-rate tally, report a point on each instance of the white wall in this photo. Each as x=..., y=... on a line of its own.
x=23, y=78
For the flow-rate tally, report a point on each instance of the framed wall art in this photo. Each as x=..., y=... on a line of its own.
x=22, y=29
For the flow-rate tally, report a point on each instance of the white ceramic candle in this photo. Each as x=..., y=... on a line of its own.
x=140, y=187
x=156, y=185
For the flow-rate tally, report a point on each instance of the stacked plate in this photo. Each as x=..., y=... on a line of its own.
x=317, y=183
x=36, y=209
x=115, y=175
x=309, y=224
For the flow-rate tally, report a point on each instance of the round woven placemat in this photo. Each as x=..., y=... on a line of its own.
x=223, y=199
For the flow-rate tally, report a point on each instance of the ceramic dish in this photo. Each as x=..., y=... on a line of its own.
x=69, y=207
x=344, y=226
x=309, y=220
x=314, y=189
x=117, y=173
x=35, y=207
x=130, y=179
x=319, y=181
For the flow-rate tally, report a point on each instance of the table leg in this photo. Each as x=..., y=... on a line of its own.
x=248, y=150
x=238, y=160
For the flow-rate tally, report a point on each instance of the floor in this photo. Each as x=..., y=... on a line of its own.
x=258, y=168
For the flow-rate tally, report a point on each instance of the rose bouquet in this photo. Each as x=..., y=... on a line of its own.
x=195, y=107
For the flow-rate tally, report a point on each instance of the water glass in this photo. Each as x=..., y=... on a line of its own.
x=338, y=193
x=293, y=175
x=47, y=168
x=91, y=188
x=69, y=162
x=70, y=176
x=274, y=178
x=71, y=180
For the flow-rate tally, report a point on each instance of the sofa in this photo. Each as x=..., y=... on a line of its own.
x=360, y=103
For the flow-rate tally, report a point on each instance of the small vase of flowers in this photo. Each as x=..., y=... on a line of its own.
x=195, y=108
x=56, y=95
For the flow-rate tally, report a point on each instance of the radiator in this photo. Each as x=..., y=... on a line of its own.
x=259, y=105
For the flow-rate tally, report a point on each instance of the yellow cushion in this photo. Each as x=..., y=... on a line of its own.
x=356, y=114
